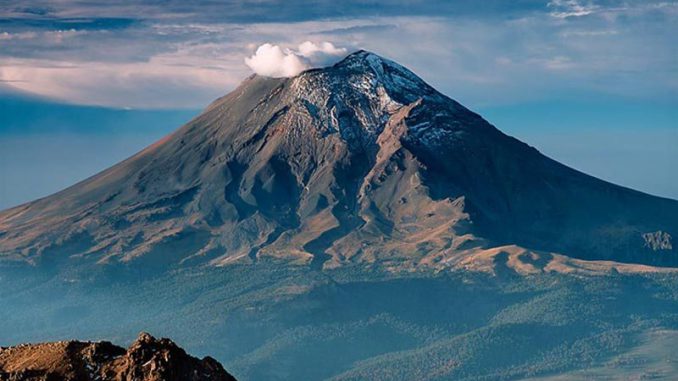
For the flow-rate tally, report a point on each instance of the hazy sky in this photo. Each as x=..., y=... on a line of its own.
x=593, y=84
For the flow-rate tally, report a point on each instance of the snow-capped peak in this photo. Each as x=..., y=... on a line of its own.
x=398, y=81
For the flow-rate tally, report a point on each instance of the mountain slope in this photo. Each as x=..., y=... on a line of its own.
x=358, y=163
x=271, y=322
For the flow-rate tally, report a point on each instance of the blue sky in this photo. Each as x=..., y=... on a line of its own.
x=83, y=84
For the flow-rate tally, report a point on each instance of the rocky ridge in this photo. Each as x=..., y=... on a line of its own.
x=147, y=359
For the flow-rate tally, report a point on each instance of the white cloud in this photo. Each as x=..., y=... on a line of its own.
x=321, y=54
x=273, y=61
x=158, y=83
x=570, y=8
x=17, y=36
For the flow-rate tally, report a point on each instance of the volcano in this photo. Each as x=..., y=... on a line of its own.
x=357, y=164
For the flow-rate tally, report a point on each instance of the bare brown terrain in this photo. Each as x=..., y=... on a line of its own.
x=147, y=359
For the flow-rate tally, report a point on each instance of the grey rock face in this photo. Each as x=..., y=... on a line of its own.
x=358, y=163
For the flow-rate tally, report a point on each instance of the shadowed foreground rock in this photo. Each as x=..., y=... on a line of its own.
x=147, y=359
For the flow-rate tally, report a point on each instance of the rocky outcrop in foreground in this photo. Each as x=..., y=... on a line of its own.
x=147, y=359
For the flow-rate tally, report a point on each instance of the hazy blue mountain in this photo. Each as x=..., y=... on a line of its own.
x=47, y=146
